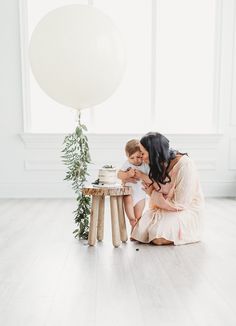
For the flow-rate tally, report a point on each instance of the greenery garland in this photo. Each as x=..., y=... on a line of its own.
x=76, y=157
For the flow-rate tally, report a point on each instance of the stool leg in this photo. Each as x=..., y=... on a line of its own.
x=115, y=222
x=123, y=232
x=93, y=221
x=100, y=230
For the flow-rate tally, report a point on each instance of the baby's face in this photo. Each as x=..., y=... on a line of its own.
x=144, y=154
x=136, y=158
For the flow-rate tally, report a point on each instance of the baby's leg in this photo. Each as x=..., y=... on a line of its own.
x=129, y=209
x=138, y=209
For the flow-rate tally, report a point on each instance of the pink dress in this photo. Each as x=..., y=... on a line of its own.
x=179, y=211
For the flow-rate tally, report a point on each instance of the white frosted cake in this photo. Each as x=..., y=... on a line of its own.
x=107, y=175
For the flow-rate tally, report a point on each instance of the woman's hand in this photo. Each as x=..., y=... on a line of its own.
x=132, y=180
x=142, y=176
x=161, y=201
x=148, y=188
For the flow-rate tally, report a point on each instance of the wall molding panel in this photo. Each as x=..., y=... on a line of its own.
x=109, y=148
x=233, y=75
x=39, y=165
x=63, y=189
x=232, y=154
x=97, y=141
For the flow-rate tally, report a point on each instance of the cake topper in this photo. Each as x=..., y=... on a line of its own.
x=107, y=166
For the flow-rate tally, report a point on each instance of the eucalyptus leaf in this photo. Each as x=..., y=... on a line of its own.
x=84, y=127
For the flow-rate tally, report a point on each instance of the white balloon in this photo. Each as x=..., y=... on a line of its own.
x=77, y=55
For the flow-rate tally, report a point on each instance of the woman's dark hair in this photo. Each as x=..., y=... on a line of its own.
x=160, y=156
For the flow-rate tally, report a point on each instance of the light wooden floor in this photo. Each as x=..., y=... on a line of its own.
x=48, y=278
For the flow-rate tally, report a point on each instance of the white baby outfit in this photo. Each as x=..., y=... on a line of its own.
x=137, y=192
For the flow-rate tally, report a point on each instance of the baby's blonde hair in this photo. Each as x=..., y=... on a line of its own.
x=131, y=147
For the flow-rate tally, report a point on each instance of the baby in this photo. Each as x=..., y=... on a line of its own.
x=133, y=168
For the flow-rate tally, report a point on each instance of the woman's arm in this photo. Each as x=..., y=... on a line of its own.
x=122, y=175
x=127, y=176
x=148, y=188
x=143, y=176
x=183, y=191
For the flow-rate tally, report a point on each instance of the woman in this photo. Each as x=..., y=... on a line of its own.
x=176, y=201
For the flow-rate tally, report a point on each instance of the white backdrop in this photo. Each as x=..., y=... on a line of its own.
x=30, y=163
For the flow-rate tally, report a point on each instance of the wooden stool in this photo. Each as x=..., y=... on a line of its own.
x=96, y=225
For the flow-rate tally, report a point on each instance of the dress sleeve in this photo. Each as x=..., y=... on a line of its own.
x=186, y=181
x=183, y=190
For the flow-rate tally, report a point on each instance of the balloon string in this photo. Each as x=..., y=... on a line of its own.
x=79, y=116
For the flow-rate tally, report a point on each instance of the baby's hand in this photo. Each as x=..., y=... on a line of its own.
x=130, y=173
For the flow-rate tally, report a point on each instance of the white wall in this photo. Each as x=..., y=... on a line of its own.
x=30, y=164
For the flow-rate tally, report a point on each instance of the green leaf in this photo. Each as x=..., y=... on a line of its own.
x=78, y=131
x=84, y=127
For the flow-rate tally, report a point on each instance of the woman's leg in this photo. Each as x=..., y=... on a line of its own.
x=161, y=241
x=138, y=209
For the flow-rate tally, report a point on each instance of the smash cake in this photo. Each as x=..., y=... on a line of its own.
x=107, y=175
